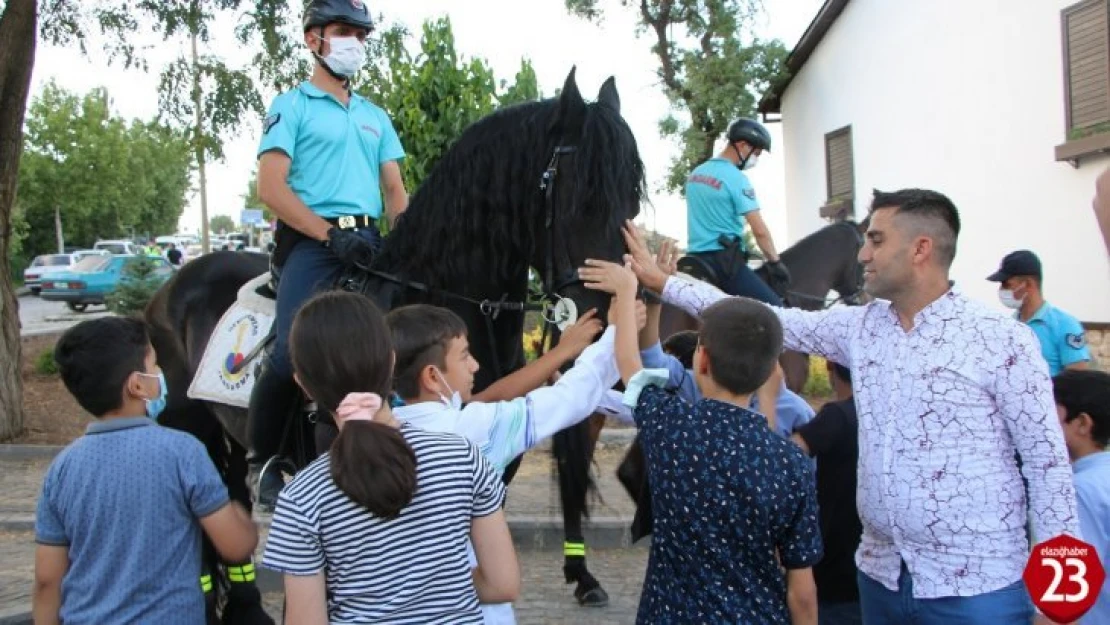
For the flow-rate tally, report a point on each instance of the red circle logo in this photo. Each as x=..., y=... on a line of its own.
x=1064, y=577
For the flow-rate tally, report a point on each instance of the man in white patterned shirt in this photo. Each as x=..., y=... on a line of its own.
x=948, y=393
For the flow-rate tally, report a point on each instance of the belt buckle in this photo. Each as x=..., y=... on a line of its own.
x=346, y=221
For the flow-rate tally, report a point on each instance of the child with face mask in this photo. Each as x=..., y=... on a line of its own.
x=434, y=376
x=119, y=519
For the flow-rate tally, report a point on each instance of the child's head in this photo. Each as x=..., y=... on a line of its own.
x=681, y=345
x=340, y=345
x=433, y=354
x=1083, y=406
x=109, y=366
x=740, y=340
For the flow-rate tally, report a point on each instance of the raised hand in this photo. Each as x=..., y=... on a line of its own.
x=643, y=264
x=577, y=337
x=611, y=278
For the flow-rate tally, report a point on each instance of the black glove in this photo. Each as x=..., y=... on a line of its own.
x=350, y=247
x=778, y=273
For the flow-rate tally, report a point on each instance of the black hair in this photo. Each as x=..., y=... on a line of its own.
x=842, y=372
x=681, y=345
x=933, y=210
x=421, y=336
x=743, y=340
x=340, y=345
x=96, y=357
x=1085, y=392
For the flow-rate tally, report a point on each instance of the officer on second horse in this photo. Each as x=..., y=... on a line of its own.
x=719, y=197
x=326, y=159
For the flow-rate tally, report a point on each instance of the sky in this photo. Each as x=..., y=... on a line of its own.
x=500, y=31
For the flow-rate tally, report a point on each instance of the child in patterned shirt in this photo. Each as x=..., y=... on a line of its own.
x=731, y=499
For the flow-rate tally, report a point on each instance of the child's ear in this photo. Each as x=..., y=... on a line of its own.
x=428, y=378
x=702, y=360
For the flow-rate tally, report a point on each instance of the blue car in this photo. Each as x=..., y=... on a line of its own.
x=93, y=278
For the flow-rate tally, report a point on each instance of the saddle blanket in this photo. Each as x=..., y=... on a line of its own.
x=240, y=331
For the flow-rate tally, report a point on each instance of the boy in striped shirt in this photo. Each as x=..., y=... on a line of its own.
x=434, y=376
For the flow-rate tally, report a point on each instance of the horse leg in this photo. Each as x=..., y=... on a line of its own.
x=573, y=448
x=796, y=367
x=244, y=600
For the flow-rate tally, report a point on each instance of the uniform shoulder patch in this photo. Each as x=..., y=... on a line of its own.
x=750, y=192
x=270, y=121
x=1075, y=341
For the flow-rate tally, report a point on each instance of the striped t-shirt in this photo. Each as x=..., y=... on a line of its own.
x=409, y=569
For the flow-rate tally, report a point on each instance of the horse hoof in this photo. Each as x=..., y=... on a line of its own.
x=593, y=598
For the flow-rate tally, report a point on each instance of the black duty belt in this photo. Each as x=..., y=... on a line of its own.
x=352, y=222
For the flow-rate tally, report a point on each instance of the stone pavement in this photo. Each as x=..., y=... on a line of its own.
x=532, y=508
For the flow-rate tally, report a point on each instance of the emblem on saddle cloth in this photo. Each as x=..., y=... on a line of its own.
x=228, y=368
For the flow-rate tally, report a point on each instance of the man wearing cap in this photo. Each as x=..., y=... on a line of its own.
x=328, y=168
x=1063, y=343
x=719, y=198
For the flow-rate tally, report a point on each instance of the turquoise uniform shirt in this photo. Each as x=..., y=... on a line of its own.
x=336, y=150
x=718, y=195
x=1062, y=339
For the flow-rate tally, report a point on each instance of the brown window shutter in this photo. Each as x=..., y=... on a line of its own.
x=839, y=171
x=1087, y=63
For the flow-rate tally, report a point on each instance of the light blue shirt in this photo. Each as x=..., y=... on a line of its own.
x=791, y=411
x=125, y=501
x=336, y=150
x=718, y=195
x=1092, y=490
x=1063, y=341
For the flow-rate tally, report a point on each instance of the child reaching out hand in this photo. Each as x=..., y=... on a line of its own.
x=727, y=493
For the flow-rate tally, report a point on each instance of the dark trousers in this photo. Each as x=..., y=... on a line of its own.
x=737, y=278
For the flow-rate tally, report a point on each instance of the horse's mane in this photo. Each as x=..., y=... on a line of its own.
x=479, y=212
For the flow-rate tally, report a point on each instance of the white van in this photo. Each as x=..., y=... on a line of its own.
x=117, y=246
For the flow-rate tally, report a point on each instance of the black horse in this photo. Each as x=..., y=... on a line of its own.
x=540, y=185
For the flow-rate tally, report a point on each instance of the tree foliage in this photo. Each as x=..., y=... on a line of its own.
x=712, y=68
x=136, y=287
x=433, y=96
x=221, y=223
x=107, y=177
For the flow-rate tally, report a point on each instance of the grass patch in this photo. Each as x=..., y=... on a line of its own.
x=45, y=363
x=818, y=384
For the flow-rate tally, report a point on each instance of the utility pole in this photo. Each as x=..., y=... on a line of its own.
x=58, y=230
x=198, y=136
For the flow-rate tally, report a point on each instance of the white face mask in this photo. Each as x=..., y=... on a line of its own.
x=346, y=57
x=750, y=163
x=1006, y=296
x=455, y=402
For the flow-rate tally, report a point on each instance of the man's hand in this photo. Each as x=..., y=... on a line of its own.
x=611, y=278
x=350, y=247
x=577, y=337
x=778, y=273
x=667, y=257
x=643, y=264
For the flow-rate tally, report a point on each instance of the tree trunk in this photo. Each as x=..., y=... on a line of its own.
x=58, y=230
x=198, y=138
x=18, y=26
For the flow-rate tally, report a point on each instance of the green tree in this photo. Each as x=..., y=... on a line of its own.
x=433, y=96
x=712, y=68
x=263, y=28
x=251, y=199
x=101, y=176
x=222, y=223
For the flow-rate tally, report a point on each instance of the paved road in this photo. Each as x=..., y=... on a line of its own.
x=42, y=317
x=532, y=508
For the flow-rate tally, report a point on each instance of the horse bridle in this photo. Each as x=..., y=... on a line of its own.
x=852, y=299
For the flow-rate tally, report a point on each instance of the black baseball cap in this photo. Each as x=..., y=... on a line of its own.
x=1019, y=263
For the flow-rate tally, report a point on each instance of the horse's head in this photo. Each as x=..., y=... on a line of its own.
x=592, y=182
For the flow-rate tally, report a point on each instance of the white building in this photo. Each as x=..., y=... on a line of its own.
x=973, y=98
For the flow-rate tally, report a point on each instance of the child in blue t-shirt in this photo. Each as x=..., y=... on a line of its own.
x=732, y=501
x=120, y=515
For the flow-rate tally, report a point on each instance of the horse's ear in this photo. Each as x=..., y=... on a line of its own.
x=571, y=115
x=608, y=96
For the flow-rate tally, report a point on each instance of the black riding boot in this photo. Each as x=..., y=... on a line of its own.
x=270, y=407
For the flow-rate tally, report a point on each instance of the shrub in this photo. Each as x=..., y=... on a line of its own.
x=45, y=363
x=136, y=286
x=818, y=384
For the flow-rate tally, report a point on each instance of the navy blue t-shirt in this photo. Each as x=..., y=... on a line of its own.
x=726, y=492
x=125, y=500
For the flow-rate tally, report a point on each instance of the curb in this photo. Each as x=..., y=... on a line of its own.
x=609, y=436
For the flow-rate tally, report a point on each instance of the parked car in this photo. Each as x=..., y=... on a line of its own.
x=117, y=246
x=91, y=279
x=45, y=265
